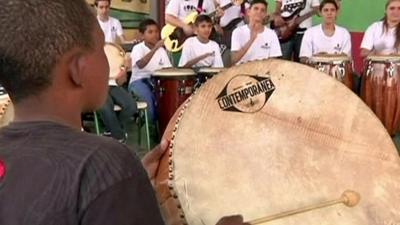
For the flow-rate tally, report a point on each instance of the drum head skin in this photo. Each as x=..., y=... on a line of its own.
x=116, y=58
x=270, y=136
x=213, y=70
x=174, y=72
x=329, y=58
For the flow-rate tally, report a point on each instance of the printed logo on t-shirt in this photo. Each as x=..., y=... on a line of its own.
x=113, y=29
x=338, y=48
x=192, y=8
x=265, y=46
x=189, y=8
x=161, y=63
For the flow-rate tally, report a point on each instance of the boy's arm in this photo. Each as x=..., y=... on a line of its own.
x=146, y=59
x=192, y=62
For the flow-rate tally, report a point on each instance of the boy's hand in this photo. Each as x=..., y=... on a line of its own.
x=159, y=44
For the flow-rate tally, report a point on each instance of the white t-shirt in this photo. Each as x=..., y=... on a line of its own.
x=265, y=46
x=230, y=13
x=193, y=48
x=158, y=61
x=182, y=8
x=315, y=41
x=111, y=29
x=308, y=7
x=376, y=39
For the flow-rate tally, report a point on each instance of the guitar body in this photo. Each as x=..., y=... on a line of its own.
x=286, y=31
x=173, y=36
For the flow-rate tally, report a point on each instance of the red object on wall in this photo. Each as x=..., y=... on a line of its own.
x=356, y=39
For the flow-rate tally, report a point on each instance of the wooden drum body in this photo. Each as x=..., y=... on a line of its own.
x=339, y=67
x=205, y=73
x=172, y=88
x=381, y=89
x=261, y=138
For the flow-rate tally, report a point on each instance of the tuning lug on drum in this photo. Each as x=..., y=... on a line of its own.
x=390, y=70
x=370, y=69
x=182, y=86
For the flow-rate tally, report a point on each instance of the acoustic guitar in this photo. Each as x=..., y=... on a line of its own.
x=290, y=13
x=174, y=37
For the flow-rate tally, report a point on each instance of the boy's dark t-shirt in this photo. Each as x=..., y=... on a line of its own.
x=57, y=175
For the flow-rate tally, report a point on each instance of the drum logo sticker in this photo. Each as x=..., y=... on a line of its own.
x=246, y=93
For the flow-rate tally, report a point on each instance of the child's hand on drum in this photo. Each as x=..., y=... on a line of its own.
x=232, y=220
x=152, y=159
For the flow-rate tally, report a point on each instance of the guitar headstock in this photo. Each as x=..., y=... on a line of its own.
x=237, y=2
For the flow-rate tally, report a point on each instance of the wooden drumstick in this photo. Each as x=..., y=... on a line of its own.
x=349, y=198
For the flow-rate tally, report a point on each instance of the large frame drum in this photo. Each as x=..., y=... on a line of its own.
x=381, y=89
x=6, y=110
x=338, y=66
x=261, y=138
x=116, y=60
x=172, y=87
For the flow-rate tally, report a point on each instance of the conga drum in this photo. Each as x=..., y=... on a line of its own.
x=262, y=140
x=337, y=66
x=381, y=89
x=205, y=73
x=172, y=86
x=116, y=60
x=6, y=110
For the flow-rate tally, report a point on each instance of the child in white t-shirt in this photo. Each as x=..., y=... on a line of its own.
x=110, y=26
x=383, y=37
x=147, y=57
x=177, y=10
x=326, y=38
x=254, y=41
x=200, y=51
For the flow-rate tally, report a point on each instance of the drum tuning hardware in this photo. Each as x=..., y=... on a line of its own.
x=181, y=89
x=370, y=69
x=390, y=69
x=161, y=90
x=342, y=71
x=320, y=67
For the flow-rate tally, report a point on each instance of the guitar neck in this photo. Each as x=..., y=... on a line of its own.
x=212, y=14
x=300, y=19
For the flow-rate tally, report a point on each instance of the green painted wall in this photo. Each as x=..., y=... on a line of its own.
x=355, y=15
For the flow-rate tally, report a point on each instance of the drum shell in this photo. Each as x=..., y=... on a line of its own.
x=380, y=90
x=170, y=93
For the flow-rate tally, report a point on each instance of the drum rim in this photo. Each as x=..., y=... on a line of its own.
x=383, y=58
x=329, y=59
x=121, y=50
x=210, y=69
x=176, y=72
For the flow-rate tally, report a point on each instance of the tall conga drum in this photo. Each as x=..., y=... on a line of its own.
x=262, y=140
x=338, y=66
x=381, y=89
x=172, y=87
x=205, y=73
